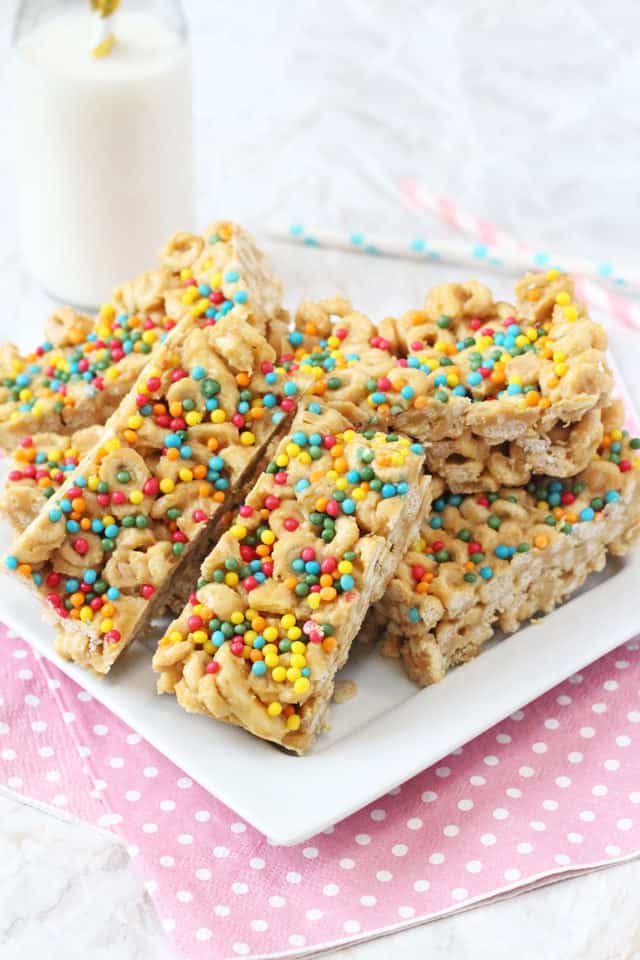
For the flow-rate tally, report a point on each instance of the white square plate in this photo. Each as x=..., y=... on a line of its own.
x=386, y=734
x=391, y=730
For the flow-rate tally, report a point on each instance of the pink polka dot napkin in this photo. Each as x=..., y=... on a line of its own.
x=555, y=788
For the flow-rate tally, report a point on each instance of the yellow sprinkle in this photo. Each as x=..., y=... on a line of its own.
x=237, y=617
x=570, y=313
x=136, y=496
x=288, y=620
x=553, y=274
x=294, y=633
x=238, y=531
x=314, y=600
x=293, y=722
x=134, y=422
x=218, y=416
x=302, y=685
x=279, y=674
x=247, y=438
x=274, y=709
x=298, y=661
x=292, y=674
x=167, y=485
x=271, y=659
x=193, y=418
x=270, y=634
x=185, y=475
x=563, y=298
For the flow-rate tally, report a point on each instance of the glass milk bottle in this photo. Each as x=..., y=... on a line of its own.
x=104, y=139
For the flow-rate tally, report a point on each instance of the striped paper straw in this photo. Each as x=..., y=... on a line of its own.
x=513, y=259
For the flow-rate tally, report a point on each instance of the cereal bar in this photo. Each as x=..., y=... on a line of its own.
x=494, y=560
x=39, y=465
x=105, y=552
x=285, y=590
x=79, y=374
x=496, y=392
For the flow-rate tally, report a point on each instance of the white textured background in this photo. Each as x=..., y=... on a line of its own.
x=525, y=112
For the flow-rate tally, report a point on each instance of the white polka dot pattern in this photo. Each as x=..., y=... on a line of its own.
x=554, y=787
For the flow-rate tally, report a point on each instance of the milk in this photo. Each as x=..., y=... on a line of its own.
x=104, y=151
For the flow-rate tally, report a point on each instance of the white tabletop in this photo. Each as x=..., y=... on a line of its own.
x=526, y=114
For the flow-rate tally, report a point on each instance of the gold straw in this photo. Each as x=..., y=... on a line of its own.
x=105, y=9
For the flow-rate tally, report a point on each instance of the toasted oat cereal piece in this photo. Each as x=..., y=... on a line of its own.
x=39, y=466
x=285, y=590
x=106, y=552
x=82, y=370
x=496, y=392
x=489, y=561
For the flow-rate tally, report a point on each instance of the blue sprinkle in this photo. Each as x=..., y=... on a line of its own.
x=231, y=276
x=348, y=506
x=73, y=526
x=435, y=523
x=418, y=245
x=113, y=593
x=55, y=515
x=407, y=393
x=11, y=563
x=474, y=379
x=296, y=230
x=90, y=576
x=315, y=407
x=611, y=496
x=480, y=250
x=204, y=289
x=112, y=531
x=217, y=638
x=587, y=514
x=388, y=490
x=417, y=448
x=290, y=389
x=414, y=615
x=513, y=389
x=216, y=463
x=347, y=582
x=357, y=239
x=403, y=488
x=198, y=373
x=259, y=642
x=605, y=269
x=241, y=296
x=295, y=338
x=72, y=585
x=300, y=438
x=541, y=259
x=302, y=484
x=172, y=440
x=486, y=573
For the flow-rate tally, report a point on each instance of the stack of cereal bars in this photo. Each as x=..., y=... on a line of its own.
x=279, y=489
